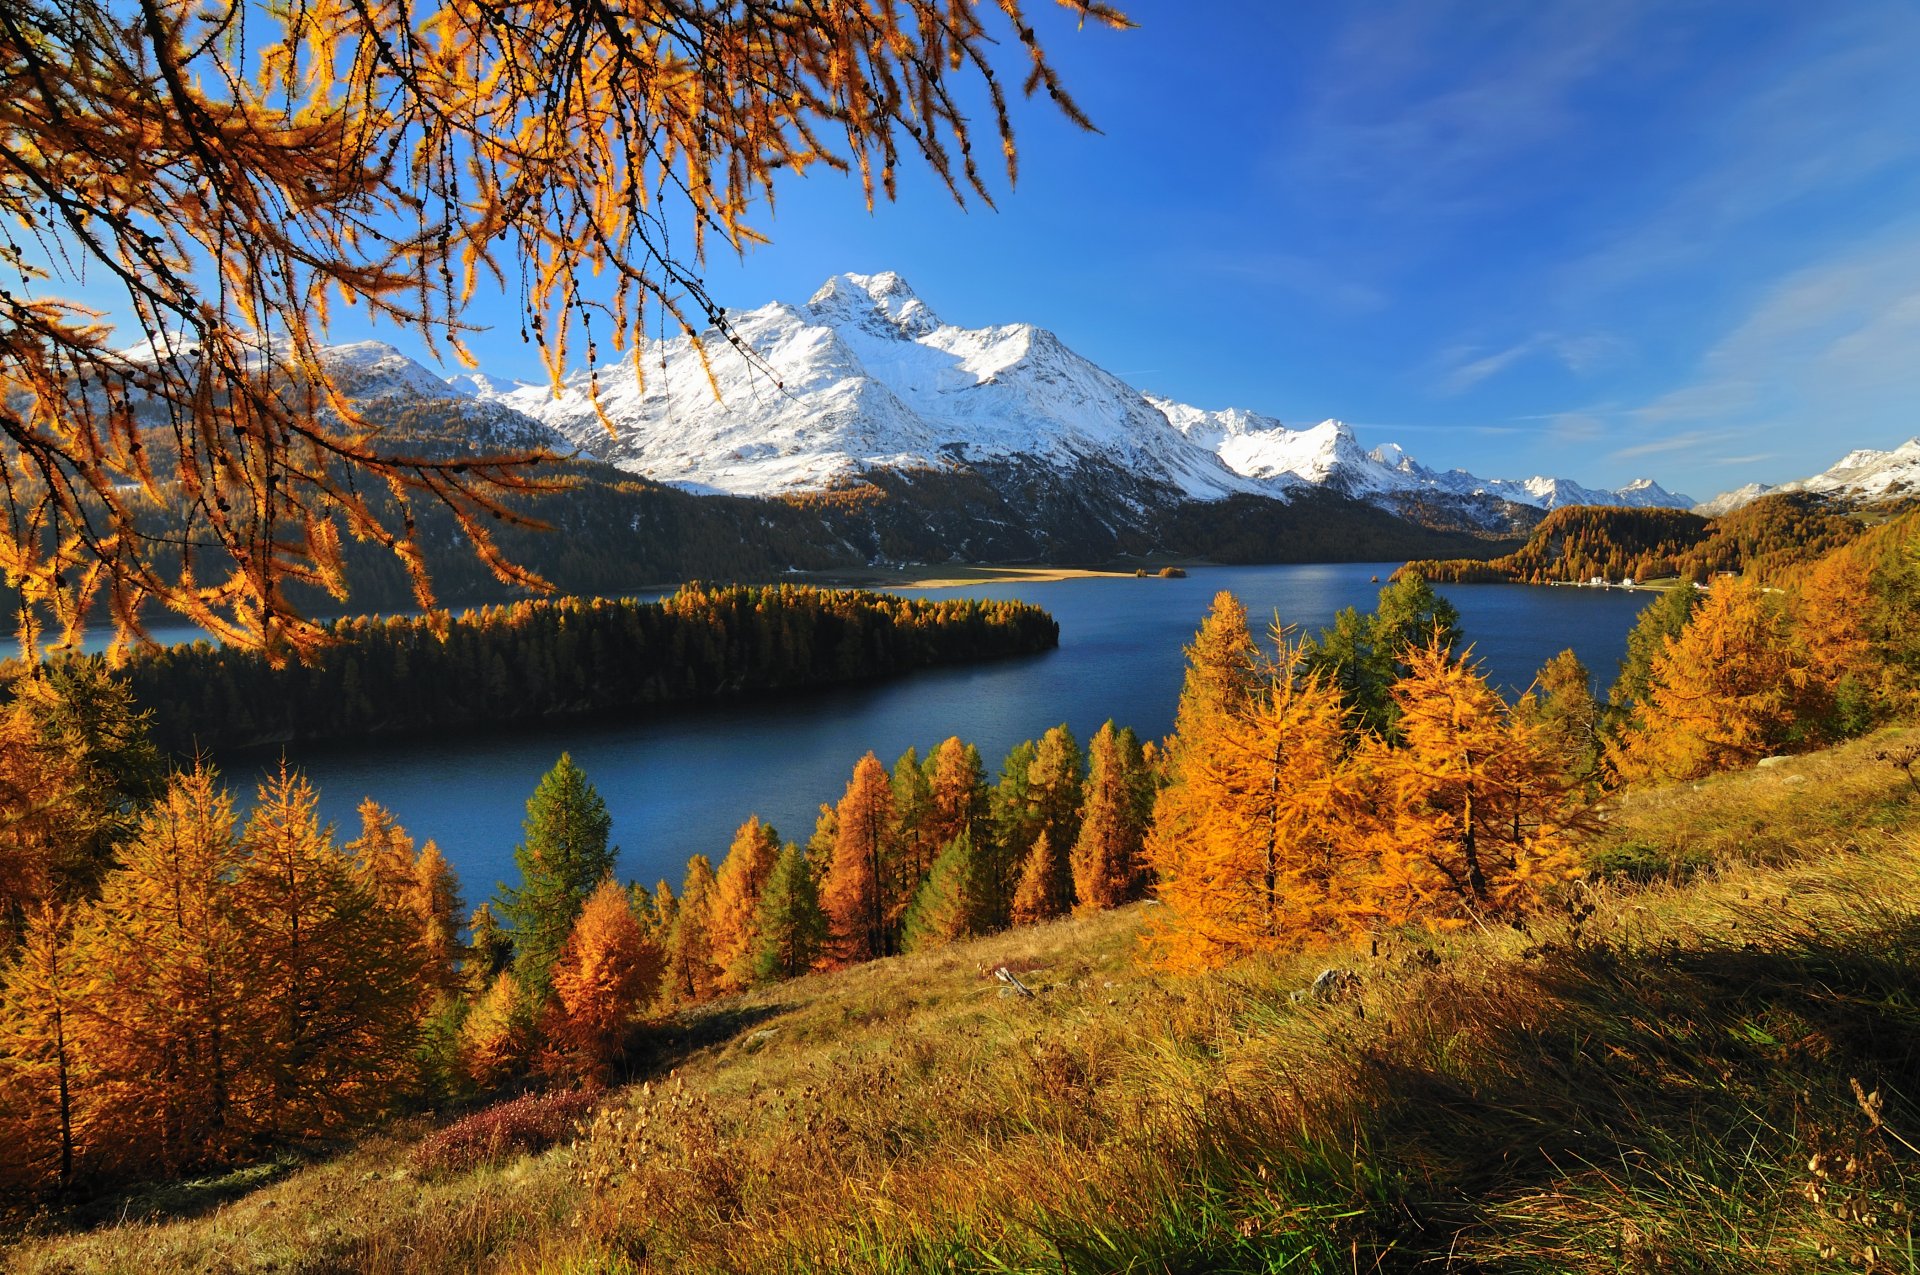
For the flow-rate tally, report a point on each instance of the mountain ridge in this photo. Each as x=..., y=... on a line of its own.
x=866, y=376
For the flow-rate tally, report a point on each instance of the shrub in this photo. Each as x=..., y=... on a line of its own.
x=531, y=1122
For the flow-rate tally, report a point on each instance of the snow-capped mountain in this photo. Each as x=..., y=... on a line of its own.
x=865, y=377
x=1860, y=475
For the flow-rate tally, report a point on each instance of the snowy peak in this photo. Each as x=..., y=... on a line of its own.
x=1863, y=474
x=876, y=302
x=865, y=376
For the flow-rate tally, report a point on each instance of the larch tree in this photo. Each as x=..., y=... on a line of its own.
x=1663, y=618
x=1256, y=839
x=791, y=930
x=1054, y=790
x=489, y=951
x=45, y=1103
x=1040, y=894
x=736, y=900
x=1476, y=813
x=167, y=1020
x=690, y=974
x=432, y=904
x=1732, y=688
x=1108, y=859
x=951, y=904
x=561, y=857
x=1014, y=826
x=607, y=972
x=335, y=985
x=235, y=175
x=862, y=881
x=496, y=1038
x=958, y=792
x=1562, y=707
x=913, y=840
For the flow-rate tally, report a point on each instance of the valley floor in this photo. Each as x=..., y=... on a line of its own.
x=1708, y=1060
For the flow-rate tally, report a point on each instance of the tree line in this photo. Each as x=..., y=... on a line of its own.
x=543, y=660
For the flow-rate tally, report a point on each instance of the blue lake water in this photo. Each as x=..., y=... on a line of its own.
x=679, y=782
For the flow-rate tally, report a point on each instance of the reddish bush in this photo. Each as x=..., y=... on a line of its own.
x=532, y=1122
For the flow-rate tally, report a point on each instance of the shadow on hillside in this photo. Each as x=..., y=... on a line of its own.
x=665, y=1048
x=177, y=1200
x=1674, y=1070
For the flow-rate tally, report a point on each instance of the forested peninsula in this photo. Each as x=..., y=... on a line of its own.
x=570, y=657
x=1579, y=542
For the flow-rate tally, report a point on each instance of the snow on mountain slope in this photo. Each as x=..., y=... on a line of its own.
x=866, y=376
x=1865, y=474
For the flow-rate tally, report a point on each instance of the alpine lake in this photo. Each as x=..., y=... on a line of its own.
x=678, y=782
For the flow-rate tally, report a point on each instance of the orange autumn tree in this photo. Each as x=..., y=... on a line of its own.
x=1734, y=687
x=166, y=1020
x=959, y=792
x=608, y=970
x=733, y=932
x=337, y=973
x=1255, y=840
x=861, y=886
x=689, y=948
x=1109, y=859
x=1476, y=812
x=46, y=1098
x=235, y=174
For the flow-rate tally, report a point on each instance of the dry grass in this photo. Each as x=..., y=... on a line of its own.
x=1663, y=1077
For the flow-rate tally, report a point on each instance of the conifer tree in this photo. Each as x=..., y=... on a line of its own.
x=690, y=972
x=561, y=859
x=1108, y=859
x=1731, y=689
x=1014, y=826
x=819, y=848
x=959, y=791
x=1254, y=838
x=862, y=881
x=1039, y=895
x=1054, y=788
x=1365, y=655
x=1562, y=708
x=607, y=971
x=950, y=906
x=489, y=951
x=1663, y=618
x=736, y=901
x=382, y=854
x=1477, y=812
x=914, y=846
x=496, y=1040
x=432, y=900
x=337, y=982
x=791, y=930
x=45, y=1101
x=166, y=1020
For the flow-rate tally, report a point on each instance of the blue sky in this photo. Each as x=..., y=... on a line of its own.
x=1602, y=240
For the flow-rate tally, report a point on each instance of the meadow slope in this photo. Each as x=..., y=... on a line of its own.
x=1707, y=1059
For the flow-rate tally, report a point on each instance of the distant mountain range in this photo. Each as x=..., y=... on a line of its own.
x=865, y=378
x=1863, y=475
x=866, y=432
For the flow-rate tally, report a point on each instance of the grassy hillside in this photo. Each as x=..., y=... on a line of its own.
x=1709, y=1060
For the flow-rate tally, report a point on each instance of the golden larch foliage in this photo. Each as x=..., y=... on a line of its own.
x=46, y=1098
x=1476, y=813
x=1257, y=836
x=607, y=972
x=1732, y=688
x=496, y=1040
x=736, y=901
x=858, y=891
